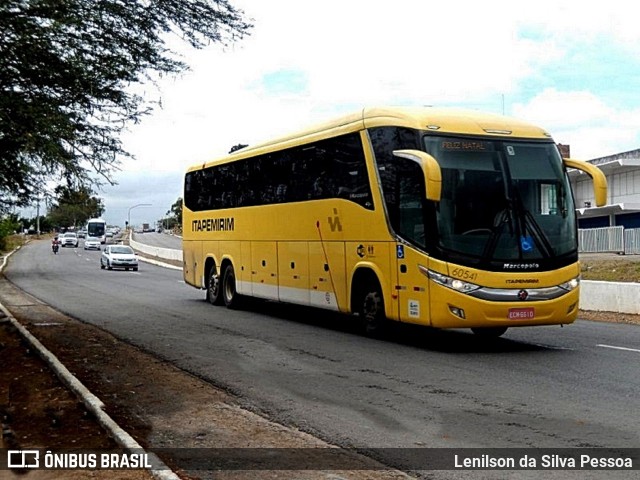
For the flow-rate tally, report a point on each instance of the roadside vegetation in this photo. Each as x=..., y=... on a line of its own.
x=621, y=269
x=8, y=239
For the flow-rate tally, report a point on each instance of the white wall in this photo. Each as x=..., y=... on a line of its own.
x=620, y=297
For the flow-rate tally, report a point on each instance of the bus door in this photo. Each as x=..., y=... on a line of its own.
x=412, y=289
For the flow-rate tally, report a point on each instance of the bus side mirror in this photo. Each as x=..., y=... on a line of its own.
x=430, y=169
x=599, y=179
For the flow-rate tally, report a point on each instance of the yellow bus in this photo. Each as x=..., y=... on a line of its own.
x=440, y=217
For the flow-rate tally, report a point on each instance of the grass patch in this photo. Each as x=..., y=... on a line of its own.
x=610, y=270
x=12, y=242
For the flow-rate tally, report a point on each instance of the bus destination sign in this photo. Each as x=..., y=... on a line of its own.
x=465, y=146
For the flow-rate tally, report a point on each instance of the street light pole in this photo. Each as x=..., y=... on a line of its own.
x=131, y=208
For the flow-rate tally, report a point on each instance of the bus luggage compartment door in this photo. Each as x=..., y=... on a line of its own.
x=327, y=275
x=293, y=272
x=264, y=270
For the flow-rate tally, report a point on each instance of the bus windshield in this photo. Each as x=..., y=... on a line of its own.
x=97, y=228
x=503, y=201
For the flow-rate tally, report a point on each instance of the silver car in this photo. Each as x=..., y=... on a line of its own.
x=92, y=243
x=69, y=239
x=118, y=256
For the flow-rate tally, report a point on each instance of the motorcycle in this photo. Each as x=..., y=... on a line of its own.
x=55, y=247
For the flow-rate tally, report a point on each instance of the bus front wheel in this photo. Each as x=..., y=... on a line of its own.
x=229, y=293
x=489, y=332
x=372, y=314
x=214, y=295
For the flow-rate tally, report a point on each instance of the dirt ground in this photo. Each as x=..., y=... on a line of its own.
x=159, y=405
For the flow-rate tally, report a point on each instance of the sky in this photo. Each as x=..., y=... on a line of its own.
x=571, y=67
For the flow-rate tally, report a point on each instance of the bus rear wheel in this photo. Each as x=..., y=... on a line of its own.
x=214, y=294
x=489, y=332
x=372, y=317
x=231, y=297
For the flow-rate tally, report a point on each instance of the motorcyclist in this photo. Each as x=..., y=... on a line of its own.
x=55, y=244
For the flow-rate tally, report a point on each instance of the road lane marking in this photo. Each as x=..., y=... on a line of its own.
x=550, y=347
x=619, y=348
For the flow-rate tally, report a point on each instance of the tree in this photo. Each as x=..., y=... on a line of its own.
x=74, y=207
x=176, y=210
x=66, y=68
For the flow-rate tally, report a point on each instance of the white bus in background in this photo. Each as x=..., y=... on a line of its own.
x=97, y=227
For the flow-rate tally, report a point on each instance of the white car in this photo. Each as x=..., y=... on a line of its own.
x=118, y=256
x=92, y=243
x=69, y=239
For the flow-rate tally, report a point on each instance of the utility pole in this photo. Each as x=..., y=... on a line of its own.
x=38, y=217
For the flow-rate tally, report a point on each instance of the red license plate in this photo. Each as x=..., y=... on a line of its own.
x=527, y=313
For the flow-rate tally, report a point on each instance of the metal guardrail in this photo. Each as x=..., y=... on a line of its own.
x=609, y=240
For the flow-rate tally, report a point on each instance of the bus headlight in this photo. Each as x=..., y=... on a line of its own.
x=571, y=284
x=452, y=283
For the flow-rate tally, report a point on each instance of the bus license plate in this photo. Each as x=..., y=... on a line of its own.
x=522, y=313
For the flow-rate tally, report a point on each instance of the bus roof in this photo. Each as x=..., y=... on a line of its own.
x=441, y=120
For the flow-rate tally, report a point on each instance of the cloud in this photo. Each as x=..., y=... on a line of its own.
x=157, y=190
x=566, y=65
x=584, y=121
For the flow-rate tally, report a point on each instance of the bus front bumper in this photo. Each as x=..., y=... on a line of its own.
x=452, y=309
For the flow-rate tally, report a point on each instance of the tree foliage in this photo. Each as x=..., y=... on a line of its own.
x=176, y=210
x=74, y=207
x=66, y=71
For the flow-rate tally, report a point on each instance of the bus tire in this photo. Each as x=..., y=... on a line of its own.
x=214, y=290
x=230, y=294
x=489, y=332
x=372, y=317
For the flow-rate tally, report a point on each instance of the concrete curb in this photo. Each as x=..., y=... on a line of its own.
x=159, y=264
x=154, y=251
x=91, y=402
x=619, y=297
x=159, y=252
x=6, y=257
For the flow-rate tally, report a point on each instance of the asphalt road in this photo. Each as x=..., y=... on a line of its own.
x=161, y=240
x=577, y=386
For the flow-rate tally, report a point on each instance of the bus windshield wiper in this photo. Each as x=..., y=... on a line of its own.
x=538, y=234
x=505, y=217
x=529, y=221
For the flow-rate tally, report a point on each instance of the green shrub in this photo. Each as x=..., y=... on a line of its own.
x=8, y=227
